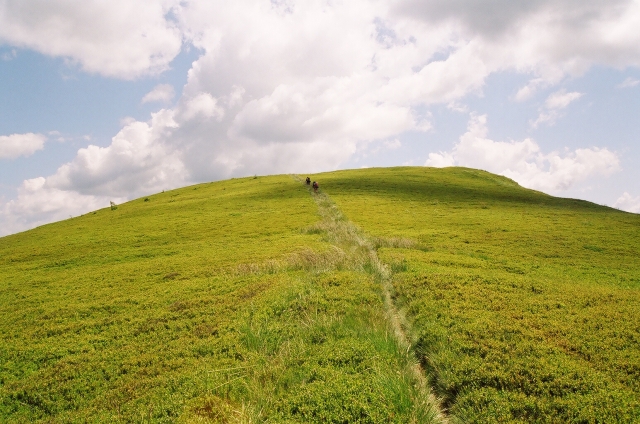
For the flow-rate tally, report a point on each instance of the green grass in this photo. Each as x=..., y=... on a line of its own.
x=246, y=301
x=524, y=307
x=220, y=302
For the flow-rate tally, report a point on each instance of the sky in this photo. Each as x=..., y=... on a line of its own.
x=111, y=101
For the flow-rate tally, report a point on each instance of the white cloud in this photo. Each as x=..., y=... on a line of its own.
x=554, y=105
x=561, y=99
x=393, y=144
x=547, y=36
x=15, y=145
x=127, y=120
x=302, y=86
x=526, y=92
x=440, y=160
x=203, y=106
x=524, y=162
x=160, y=93
x=137, y=161
x=628, y=203
x=457, y=107
x=38, y=203
x=629, y=82
x=117, y=38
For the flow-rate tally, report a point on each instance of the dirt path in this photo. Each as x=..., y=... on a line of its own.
x=362, y=252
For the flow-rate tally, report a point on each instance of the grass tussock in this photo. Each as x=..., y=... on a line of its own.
x=213, y=409
x=336, y=355
x=397, y=242
x=355, y=258
x=309, y=260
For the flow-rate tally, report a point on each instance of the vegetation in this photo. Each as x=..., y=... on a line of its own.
x=524, y=307
x=223, y=302
x=255, y=300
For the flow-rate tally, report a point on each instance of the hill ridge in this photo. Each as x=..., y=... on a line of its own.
x=245, y=300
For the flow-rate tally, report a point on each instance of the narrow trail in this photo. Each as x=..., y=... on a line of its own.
x=362, y=250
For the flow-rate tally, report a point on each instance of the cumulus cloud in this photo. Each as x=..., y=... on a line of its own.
x=203, y=106
x=524, y=162
x=561, y=99
x=440, y=160
x=392, y=144
x=628, y=203
x=530, y=89
x=161, y=93
x=553, y=106
x=457, y=107
x=117, y=38
x=136, y=162
x=38, y=203
x=15, y=145
x=286, y=86
x=547, y=39
x=549, y=36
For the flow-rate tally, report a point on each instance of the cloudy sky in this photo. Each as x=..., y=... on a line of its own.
x=109, y=101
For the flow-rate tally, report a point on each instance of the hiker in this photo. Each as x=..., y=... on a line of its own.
x=308, y=181
x=315, y=187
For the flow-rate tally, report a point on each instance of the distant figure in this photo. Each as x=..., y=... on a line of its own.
x=315, y=187
x=308, y=181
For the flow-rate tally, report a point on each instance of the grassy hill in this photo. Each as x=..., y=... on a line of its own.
x=255, y=300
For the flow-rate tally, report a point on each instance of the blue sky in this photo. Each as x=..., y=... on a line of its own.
x=114, y=101
x=43, y=94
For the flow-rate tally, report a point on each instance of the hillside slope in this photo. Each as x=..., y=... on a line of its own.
x=222, y=302
x=246, y=301
x=524, y=306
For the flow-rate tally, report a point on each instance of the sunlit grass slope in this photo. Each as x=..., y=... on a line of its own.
x=220, y=302
x=524, y=307
x=242, y=301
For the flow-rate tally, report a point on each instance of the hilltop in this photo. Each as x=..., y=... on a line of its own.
x=254, y=299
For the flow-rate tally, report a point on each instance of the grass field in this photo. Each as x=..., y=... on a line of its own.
x=252, y=300
x=524, y=307
x=220, y=302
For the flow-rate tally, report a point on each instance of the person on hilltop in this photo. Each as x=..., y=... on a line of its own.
x=315, y=187
x=308, y=181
